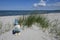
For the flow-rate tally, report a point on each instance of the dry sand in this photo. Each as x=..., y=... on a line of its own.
x=27, y=34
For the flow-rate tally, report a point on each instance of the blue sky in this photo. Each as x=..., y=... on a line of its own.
x=28, y=5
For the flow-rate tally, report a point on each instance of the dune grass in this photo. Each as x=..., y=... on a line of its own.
x=7, y=27
x=0, y=25
x=55, y=29
x=29, y=21
x=44, y=23
x=20, y=21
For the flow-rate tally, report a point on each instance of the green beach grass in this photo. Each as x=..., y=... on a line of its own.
x=35, y=18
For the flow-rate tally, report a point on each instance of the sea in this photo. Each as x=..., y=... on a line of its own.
x=26, y=12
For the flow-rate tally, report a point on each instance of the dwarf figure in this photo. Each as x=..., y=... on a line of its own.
x=16, y=29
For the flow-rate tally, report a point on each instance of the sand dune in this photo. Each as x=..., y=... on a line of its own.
x=27, y=34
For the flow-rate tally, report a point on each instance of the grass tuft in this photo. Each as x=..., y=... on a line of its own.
x=44, y=23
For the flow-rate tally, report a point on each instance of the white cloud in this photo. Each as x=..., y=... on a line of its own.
x=49, y=6
x=41, y=3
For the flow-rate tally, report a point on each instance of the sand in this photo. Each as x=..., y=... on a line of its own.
x=27, y=34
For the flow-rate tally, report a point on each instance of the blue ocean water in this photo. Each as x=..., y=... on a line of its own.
x=26, y=12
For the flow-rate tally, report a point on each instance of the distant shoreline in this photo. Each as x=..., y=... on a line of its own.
x=26, y=12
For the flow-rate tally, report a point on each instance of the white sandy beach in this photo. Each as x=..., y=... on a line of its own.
x=27, y=34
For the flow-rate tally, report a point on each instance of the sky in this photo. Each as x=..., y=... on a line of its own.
x=29, y=5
